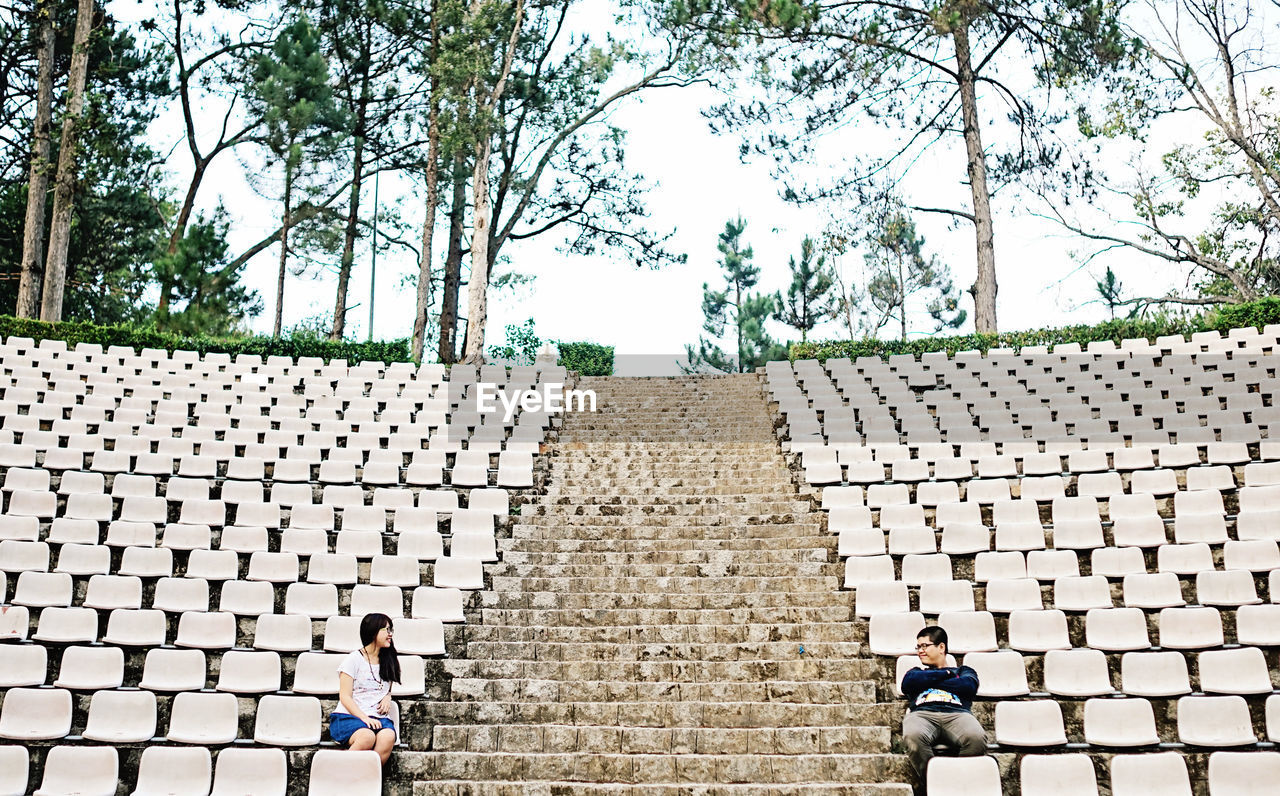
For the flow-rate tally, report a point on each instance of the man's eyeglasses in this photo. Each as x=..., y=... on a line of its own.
x=923, y=647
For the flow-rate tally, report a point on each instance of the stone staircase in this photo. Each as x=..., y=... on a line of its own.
x=666, y=619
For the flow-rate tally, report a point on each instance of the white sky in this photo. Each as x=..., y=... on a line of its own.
x=700, y=185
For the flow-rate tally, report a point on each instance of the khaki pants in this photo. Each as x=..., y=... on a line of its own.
x=921, y=729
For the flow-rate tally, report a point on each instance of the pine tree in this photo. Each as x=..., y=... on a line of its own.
x=291, y=91
x=809, y=300
x=898, y=270
x=733, y=308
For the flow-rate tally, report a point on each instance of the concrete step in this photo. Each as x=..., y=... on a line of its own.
x=708, y=584
x=660, y=714
x=723, y=567
x=659, y=651
x=551, y=738
x=809, y=634
x=675, y=788
x=656, y=526
x=669, y=557
x=743, y=505
x=762, y=675
x=488, y=689
x=528, y=545
x=670, y=600
x=612, y=617
x=639, y=769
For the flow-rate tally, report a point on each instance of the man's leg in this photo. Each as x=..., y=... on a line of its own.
x=919, y=731
x=963, y=731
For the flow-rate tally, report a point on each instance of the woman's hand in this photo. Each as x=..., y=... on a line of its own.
x=384, y=705
x=373, y=724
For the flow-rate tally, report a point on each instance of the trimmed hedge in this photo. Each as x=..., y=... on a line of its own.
x=589, y=359
x=296, y=346
x=1258, y=313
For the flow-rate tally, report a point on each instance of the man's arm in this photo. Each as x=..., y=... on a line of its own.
x=917, y=680
x=964, y=683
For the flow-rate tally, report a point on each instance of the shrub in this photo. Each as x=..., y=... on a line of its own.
x=1257, y=313
x=139, y=338
x=589, y=359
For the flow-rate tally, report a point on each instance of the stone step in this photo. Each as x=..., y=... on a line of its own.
x=709, y=651
x=720, y=568
x=708, y=584
x=576, y=558
x=812, y=633
x=661, y=714
x=670, y=600
x=757, y=674
x=487, y=689
x=744, y=504
x=526, y=788
x=624, y=769
x=552, y=738
x=527, y=545
x=614, y=617
x=645, y=526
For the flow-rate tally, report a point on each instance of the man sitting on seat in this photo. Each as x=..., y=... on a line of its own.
x=939, y=698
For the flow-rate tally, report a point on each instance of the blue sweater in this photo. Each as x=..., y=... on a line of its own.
x=944, y=689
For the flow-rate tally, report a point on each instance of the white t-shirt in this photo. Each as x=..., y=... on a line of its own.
x=367, y=687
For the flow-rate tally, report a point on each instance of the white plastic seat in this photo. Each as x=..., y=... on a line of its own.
x=345, y=773
x=1258, y=625
x=361, y=544
x=1077, y=673
x=288, y=721
x=1234, y=671
x=174, y=670
x=64, y=625
x=1116, y=629
x=314, y=673
x=86, y=770
x=131, y=534
x=1032, y=723
x=43, y=589
x=23, y=665
x=176, y=595
x=337, y=568
x=1038, y=631
x=963, y=776
x=1120, y=722
x=174, y=771
x=433, y=603
x=894, y=634
x=35, y=714
x=1215, y=721
x=17, y=556
x=314, y=600
x=1154, y=674
x=1259, y=555
x=881, y=597
x=1117, y=562
x=146, y=562
x=14, y=770
x=1006, y=565
x=1013, y=594
x=420, y=636
x=1159, y=482
x=249, y=672
x=461, y=573
x=1243, y=773
x=367, y=599
x=1158, y=590
x=118, y=717
x=245, y=770
x=14, y=622
x=1150, y=774
x=213, y=565
x=969, y=631
x=1081, y=593
x=27, y=529
x=1190, y=628
x=213, y=630
x=1231, y=588
x=282, y=633
x=918, y=569
x=1001, y=673
x=1058, y=775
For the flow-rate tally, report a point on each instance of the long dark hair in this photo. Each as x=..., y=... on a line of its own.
x=388, y=663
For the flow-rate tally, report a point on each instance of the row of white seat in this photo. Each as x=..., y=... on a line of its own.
x=1082, y=673
x=218, y=630
x=165, y=770
x=1229, y=774
x=243, y=672
x=1106, y=629
x=982, y=461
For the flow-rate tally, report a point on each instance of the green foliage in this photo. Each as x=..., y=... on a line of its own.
x=898, y=270
x=521, y=347
x=809, y=300
x=210, y=297
x=588, y=359
x=296, y=345
x=1110, y=291
x=734, y=309
x=1258, y=313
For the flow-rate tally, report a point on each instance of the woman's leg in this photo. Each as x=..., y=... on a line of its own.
x=362, y=740
x=385, y=742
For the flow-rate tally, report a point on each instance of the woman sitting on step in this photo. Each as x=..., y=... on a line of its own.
x=364, y=690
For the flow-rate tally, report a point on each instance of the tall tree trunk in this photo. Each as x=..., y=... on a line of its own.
x=284, y=246
x=984, y=288
x=453, y=264
x=55, y=269
x=38, y=181
x=478, y=283
x=179, y=231
x=902, y=299
x=423, y=304
x=349, y=239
